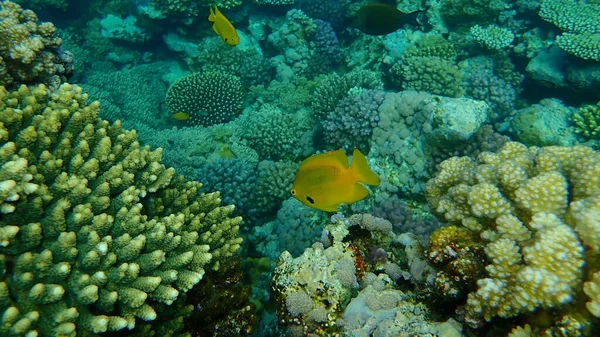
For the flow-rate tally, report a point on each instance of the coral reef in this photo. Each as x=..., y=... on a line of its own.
x=431, y=74
x=546, y=123
x=587, y=121
x=276, y=134
x=333, y=88
x=533, y=209
x=350, y=125
x=492, y=37
x=234, y=179
x=581, y=23
x=208, y=98
x=332, y=290
x=30, y=51
x=97, y=235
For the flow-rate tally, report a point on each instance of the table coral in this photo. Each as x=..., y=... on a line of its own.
x=492, y=37
x=581, y=23
x=29, y=50
x=534, y=209
x=97, y=235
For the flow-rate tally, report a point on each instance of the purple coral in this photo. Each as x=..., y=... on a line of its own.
x=333, y=12
x=404, y=219
x=326, y=44
x=350, y=125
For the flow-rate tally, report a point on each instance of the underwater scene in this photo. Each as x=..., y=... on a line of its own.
x=318, y=168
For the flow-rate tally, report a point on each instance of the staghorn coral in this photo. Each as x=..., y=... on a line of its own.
x=96, y=234
x=30, y=51
x=208, y=98
x=533, y=227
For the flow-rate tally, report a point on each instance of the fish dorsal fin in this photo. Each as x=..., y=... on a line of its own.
x=335, y=158
x=213, y=14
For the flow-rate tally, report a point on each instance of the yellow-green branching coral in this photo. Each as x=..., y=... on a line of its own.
x=535, y=209
x=587, y=121
x=95, y=233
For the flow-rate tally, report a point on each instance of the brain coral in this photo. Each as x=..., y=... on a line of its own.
x=208, y=98
x=95, y=233
x=535, y=209
x=29, y=51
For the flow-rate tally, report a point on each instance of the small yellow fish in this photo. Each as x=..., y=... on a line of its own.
x=324, y=181
x=181, y=116
x=223, y=27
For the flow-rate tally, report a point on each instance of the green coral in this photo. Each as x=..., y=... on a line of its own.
x=435, y=75
x=459, y=12
x=96, y=234
x=581, y=23
x=585, y=46
x=587, y=121
x=275, y=134
x=333, y=88
x=208, y=98
x=492, y=37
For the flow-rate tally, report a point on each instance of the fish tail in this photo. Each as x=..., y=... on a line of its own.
x=362, y=170
x=414, y=18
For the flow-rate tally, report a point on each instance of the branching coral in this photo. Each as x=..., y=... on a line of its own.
x=587, y=121
x=96, y=234
x=581, y=23
x=29, y=50
x=535, y=209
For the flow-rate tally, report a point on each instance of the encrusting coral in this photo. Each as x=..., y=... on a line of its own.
x=96, y=234
x=535, y=209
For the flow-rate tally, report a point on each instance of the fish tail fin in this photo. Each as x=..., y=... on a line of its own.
x=362, y=170
x=213, y=14
x=414, y=18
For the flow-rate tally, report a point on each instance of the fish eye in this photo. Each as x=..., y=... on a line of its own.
x=312, y=202
x=293, y=191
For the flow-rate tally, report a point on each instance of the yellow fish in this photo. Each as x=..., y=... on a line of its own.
x=223, y=27
x=181, y=116
x=324, y=181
